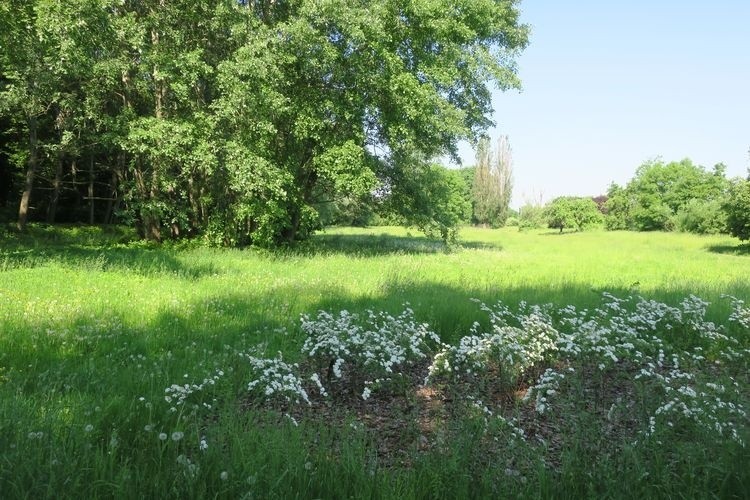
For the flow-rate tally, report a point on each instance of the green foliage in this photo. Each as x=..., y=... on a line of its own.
x=572, y=212
x=737, y=209
x=241, y=121
x=433, y=199
x=492, y=184
x=531, y=217
x=618, y=206
x=702, y=217
x=659, y=192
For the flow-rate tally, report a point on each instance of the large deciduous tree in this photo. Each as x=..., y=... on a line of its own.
x=572, y=212
x=237, y=119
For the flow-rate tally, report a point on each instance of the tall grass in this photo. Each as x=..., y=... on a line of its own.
x=94, y=327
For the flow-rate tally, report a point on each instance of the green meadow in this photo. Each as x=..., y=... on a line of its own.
x=94, y=326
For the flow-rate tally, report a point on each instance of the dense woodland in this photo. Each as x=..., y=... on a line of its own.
x=241, y=120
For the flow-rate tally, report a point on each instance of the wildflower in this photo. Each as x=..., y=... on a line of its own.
x=162, y=436
x=177, y=435
x=224, y=475
x=88, y=428
x=203, y=444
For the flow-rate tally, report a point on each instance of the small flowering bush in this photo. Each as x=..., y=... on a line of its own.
x=740, y=313
x=275, y=379
x=371, y=348
x=507, y=351
x=665, y=360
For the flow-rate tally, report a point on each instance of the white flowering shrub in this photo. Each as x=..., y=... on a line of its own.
x=655, y=366
x=546, y=387
x=689, y=400
x=276, y=380
x=740, y=313
x=506, y=352
x=178, y=395
x=658, y=345
x=371, y=348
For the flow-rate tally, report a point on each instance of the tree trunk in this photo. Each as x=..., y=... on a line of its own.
x=114, y=200
x=23, y=208
x=91, y=188
x=56, y=186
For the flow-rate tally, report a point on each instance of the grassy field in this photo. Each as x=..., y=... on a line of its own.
x=94, y=328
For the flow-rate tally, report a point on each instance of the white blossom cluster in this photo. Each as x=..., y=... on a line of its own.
x=646, y=338
x=177, y=394
x=703, y=403
x=277, y=379
x=546, y=387
x=507, y=349
x=740, y=314
x=374, y=345
x=620, y=330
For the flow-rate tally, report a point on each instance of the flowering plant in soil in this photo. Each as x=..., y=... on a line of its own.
x=505, y=353
x=369, y=350
x=276, y=379
x=676, y=363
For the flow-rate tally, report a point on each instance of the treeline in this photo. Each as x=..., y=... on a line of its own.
x=674, y=196
x=243, y=121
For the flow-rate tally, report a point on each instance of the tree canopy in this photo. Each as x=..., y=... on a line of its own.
x=572, y=212
x=659, y=192
x=737, y=208
x=237, y=120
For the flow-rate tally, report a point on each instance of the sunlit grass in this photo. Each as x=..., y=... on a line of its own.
x=93, y=328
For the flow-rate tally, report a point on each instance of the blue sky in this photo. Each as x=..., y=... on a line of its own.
x=608, y=85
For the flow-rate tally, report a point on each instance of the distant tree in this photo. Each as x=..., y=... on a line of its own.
x=572, y=212
x=619, y=205
x=493, y=182
x=531, y=216
x=702, y=217
x=437, y=202
x=659, y=191
x=601, y=203
x=737, y=209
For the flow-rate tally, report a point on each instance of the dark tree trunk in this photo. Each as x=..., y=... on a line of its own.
x=23, y=208
x=91, y=188
x=56, y=187
x=114, y=201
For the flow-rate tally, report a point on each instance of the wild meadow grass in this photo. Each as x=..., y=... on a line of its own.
x=97, y=330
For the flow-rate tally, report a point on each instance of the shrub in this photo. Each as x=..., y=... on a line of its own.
x=530, y=217
x=737, y=209
x=702, y=217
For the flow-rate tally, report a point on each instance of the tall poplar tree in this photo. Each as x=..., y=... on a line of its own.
x=493, y=182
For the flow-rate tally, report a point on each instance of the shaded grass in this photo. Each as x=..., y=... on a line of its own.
x=89, y=325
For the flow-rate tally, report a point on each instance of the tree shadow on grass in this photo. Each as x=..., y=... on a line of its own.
x=741, y=249
x=271, y=317
x=376, y=245
x=143, y=261
x=210, y=332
